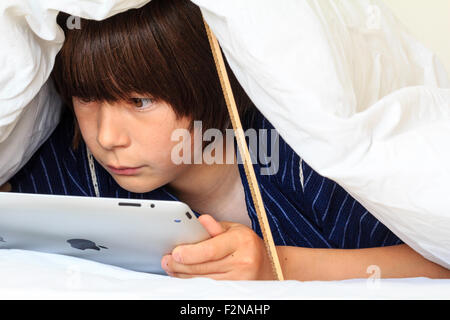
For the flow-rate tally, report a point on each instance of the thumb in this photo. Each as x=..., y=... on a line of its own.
x=213, y=227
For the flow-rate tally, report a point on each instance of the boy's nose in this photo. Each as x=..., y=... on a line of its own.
x=111, y=128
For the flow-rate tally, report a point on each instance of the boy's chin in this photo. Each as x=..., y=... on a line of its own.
x=137, y=186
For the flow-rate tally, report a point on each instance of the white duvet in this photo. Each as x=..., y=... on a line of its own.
x=35, y=275
x=346, y=86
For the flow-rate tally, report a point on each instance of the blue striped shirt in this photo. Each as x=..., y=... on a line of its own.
x=303, y=208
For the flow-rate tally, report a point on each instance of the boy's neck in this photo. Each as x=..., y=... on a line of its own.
x=206, y=187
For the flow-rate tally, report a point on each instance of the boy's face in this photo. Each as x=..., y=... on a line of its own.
x=132, y=140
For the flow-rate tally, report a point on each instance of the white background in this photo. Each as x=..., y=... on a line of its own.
x=429, y=21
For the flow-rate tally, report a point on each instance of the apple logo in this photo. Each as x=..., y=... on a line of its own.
x=83, y=244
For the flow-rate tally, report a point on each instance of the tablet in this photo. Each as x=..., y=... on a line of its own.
x=133, y=234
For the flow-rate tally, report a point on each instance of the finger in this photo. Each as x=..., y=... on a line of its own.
x=209, y=250
x=210, y=267
x=165, y=262
x=214, y=276
x=213, y=227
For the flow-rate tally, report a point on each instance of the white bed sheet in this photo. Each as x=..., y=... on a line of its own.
x=35, y=275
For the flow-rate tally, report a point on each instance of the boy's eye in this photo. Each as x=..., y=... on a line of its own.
x=142, y=103
x=84, y=100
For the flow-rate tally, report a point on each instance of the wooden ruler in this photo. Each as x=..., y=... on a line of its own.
x=243, y=149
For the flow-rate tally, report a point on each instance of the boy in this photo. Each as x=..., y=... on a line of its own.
x=136, y=78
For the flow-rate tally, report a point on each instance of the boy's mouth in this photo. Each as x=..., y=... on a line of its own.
x=124, y=171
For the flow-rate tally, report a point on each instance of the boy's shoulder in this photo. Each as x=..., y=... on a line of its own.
x=275, y=160
x=55, y=167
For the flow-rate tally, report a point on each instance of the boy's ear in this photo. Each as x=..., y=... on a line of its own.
x=5, y=188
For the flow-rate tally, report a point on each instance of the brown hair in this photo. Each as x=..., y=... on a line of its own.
x=160, y=49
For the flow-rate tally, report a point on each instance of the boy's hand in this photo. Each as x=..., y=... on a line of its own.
x=235, y=252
